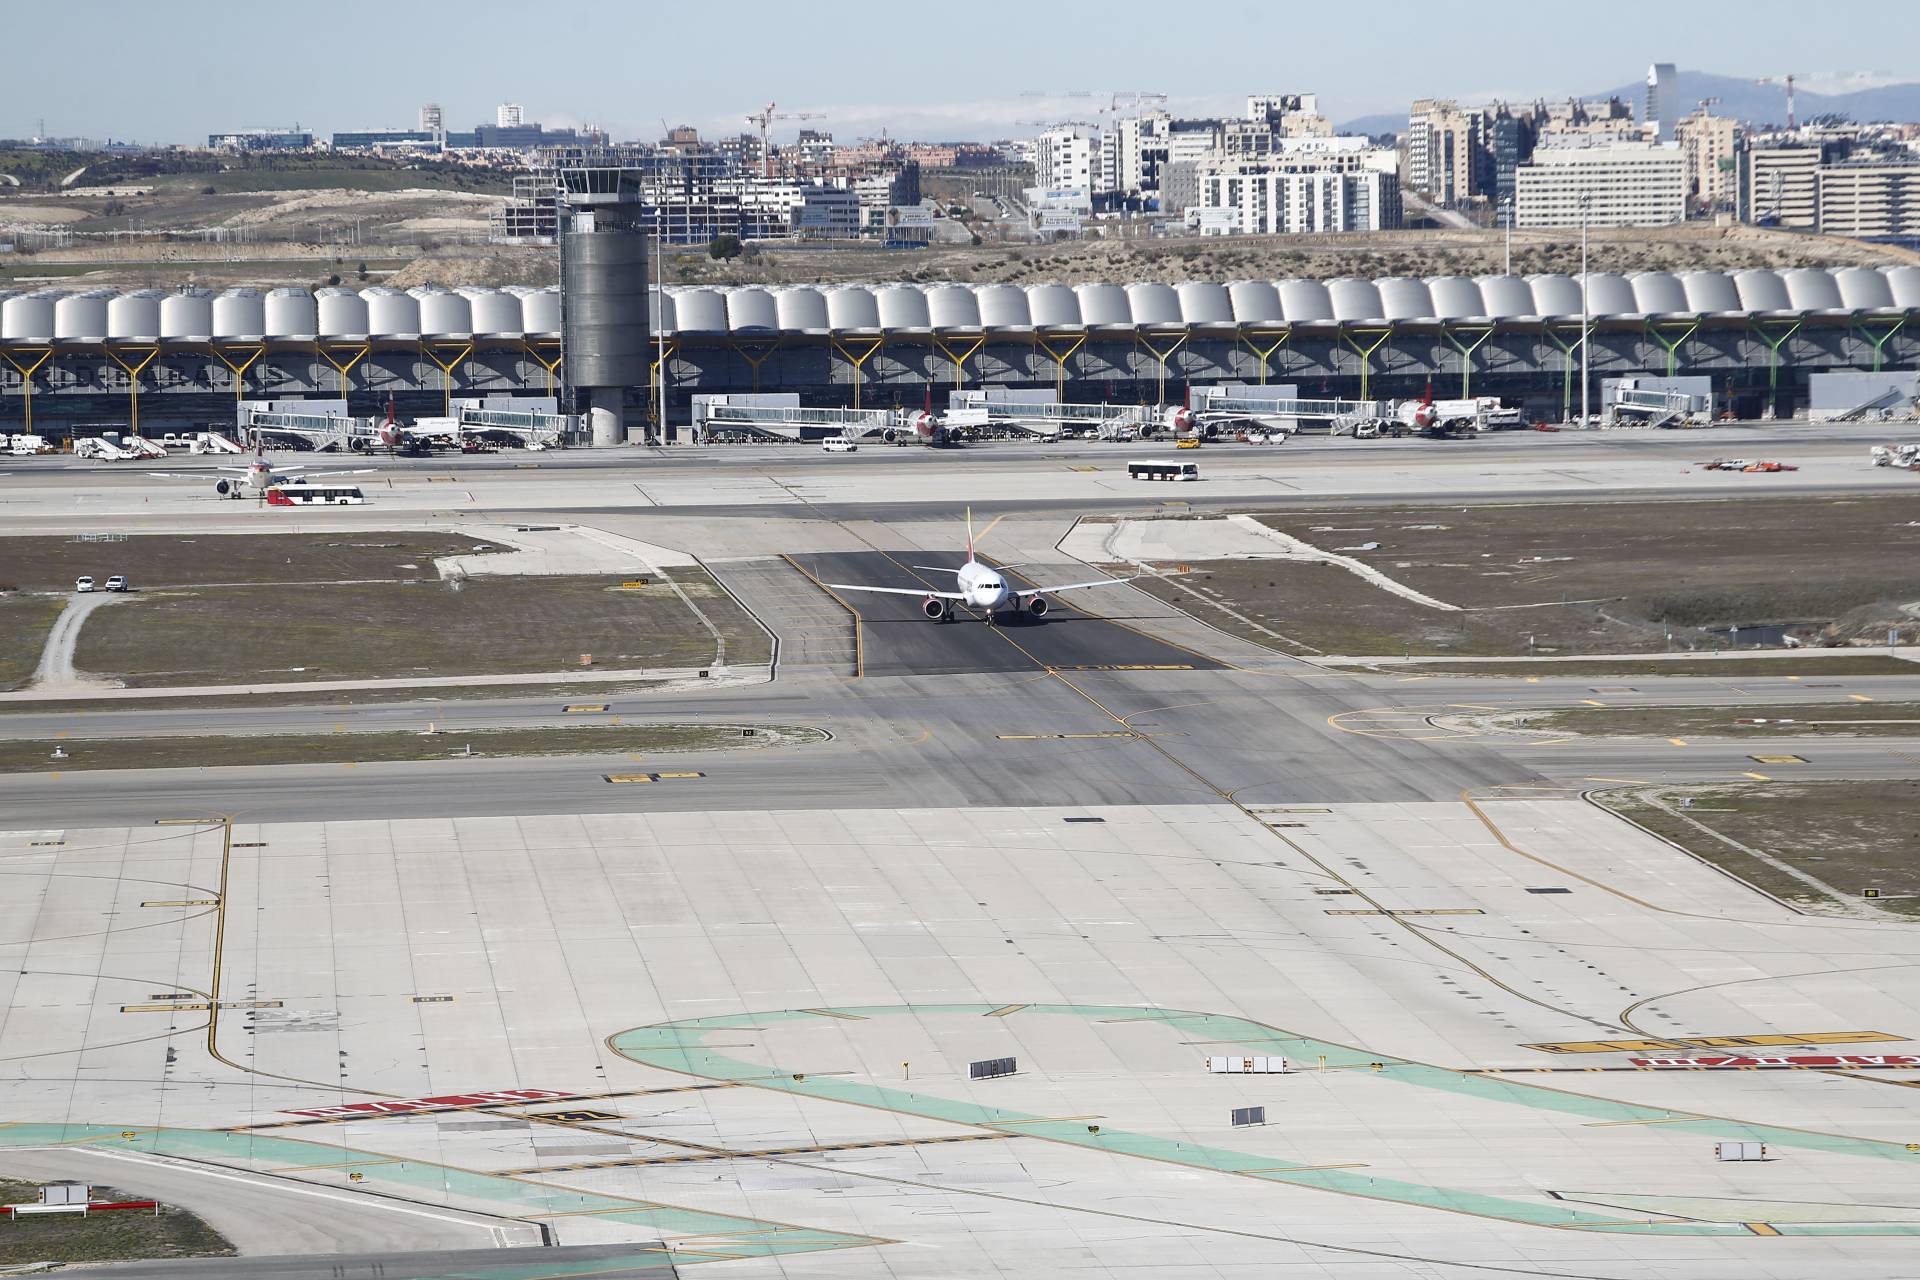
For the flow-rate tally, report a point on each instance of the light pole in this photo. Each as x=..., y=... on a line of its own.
x=1506, y=208
x=1586, y=200
x=660, y=327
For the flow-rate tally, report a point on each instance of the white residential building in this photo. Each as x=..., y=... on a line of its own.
x=1710, y=145
x=509, y=115
x=1627, y=184
x=1780, y=186
x=1259, y=199
x=1662, y=110
x=1067, y=158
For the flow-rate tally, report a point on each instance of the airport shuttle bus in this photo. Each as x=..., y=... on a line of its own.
x=1163, y=470
x=315, y=495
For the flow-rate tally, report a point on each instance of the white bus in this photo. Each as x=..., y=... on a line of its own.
x=312, y=495
x=1163, y=470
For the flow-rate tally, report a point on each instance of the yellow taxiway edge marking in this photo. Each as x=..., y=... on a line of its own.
x=835, y=1013
x=1533, y=679
x=186, y=822
x=1303, y=1168
x=1757, y=777
x=1860, y=697
x=1793, y=677
x=1761, y=1228
x=345, y=1164
x=1000, y=1124
x=1638, y=782
x=1006, y=1009
x=1613, y=1124
x=1678, y=742
x=182, y=902
x=584, y=706
x=1591, y=703
x=1469, y=706
x=1551, y=742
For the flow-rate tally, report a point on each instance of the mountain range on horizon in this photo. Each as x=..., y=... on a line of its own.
x=1742, y=98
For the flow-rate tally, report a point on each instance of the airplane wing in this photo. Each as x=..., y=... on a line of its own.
x=1071, y=586
x=922, y=592
x=322, y=475
x=196, y=475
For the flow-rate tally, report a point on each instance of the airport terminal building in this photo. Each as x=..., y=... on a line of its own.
x=84, y=361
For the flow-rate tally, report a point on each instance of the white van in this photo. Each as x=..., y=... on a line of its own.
x=838, y=444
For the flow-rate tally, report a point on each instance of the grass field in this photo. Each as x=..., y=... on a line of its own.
x=1812, y=668
x=383, y=630
x=232, y=750
x=165, y=560
x=1853, y=719
x=1818, y=845
x=24, y=623
x=103, y=1237
x=1569, y=578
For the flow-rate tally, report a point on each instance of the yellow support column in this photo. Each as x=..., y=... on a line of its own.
x=534, y=349
x=655, y=373
x=133, y=379
x=1073, y=343
x=1478, y=334
x=435, y=351
x=766, y=348
x=239, y=369
x=857, y=360
x=1365, y=353
x=26, y=372
x=1146, y=340
x=342, y=359
x=960, y=358
x=1264, y=354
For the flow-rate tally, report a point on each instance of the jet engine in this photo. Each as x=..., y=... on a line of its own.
x=936, y=608
x=1038, y=606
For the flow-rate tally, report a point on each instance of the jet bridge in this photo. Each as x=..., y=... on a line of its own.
x=533, y=425
x=1287, y=412
x=717, y=421
x=982, y=414
x=319, y=426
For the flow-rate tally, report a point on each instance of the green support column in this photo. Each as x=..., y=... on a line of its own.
x=1566, y=368
x=1365, y=353
x=1785, y=329
x=1878, y=339
x=1466, y=351
x=1659, y=330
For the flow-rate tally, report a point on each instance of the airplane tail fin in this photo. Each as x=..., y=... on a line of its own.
x=969, y=534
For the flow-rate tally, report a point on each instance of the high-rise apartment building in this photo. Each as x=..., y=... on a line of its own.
x=1709, y=143
x=1662, y=110
x=1625, y=185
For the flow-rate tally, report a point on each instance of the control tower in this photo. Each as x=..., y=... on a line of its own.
x=603, y=282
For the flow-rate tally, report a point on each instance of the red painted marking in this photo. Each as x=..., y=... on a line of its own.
x=401, y=1106
x=1796, y=1060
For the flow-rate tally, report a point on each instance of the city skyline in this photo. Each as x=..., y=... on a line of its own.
x=275, y=70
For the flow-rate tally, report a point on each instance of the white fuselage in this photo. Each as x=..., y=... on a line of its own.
x=983, y=587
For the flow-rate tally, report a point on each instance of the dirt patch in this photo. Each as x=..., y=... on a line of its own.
x=1842, y=838
x=24, y=624
x=224, y=751
x=104, y=1237
x=1812, y=719
x=375, y=630
x=153, y=560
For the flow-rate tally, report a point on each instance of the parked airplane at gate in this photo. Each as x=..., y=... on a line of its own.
x=981, y=587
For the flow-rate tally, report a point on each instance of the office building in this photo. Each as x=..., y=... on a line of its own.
x=1872, y=201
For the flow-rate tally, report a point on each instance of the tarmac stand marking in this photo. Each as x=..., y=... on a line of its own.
x=684, y=1047
x=182, y=902
x=1767, y=1041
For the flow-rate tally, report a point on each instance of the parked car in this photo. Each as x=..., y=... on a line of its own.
x=83, y=584
x=118, y=582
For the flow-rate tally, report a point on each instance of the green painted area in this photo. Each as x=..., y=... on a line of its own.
x=718, y=1235
x=679, y=1046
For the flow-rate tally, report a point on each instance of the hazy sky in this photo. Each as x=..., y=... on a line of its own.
x=175, y=72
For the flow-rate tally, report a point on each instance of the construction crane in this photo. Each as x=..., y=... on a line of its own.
x=1117, y=99
x=1058, y=124
x=1788, y=78
x=765, y=118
